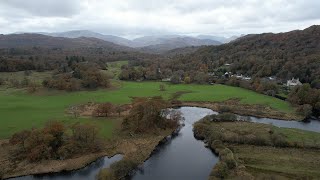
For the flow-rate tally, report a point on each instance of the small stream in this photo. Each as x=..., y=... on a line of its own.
x=182, y=157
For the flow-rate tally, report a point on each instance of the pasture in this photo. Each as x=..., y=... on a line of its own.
x=20, y=110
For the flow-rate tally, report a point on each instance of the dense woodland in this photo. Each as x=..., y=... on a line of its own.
x=285, y=55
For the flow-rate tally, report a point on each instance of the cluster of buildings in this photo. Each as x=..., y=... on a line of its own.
x=229, y=74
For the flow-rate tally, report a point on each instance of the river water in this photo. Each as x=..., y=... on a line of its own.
x=87, y=173
x=182, y=157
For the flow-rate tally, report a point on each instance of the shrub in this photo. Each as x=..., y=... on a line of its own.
x=226, y=155
x=220, y=170
x=123, y=168
x=305, y=110
x=106, y=174
x=162, y=87
x=261, y=141
x=223, y=109
x=230, y=161
x=215, y=135
x=217, y=145
x=223, y=117
x=227, y=117
x=279, y=140
x=1, y=81
x=200, y=131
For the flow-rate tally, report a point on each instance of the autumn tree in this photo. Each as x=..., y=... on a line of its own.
x=104, y=109
x=147, y=115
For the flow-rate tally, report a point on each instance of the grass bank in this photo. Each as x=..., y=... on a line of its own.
x=261, y=151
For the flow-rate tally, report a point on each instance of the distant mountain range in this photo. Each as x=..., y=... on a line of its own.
x=86, y=33
x=150, y=44
x=29, y=40
x=219, y=38
x=146, y=44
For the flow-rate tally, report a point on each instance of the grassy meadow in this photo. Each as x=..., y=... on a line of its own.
x=20, y=110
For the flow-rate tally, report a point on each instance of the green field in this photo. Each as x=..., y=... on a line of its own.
x=20, y=110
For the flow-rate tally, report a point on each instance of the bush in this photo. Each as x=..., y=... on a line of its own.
x=224, y=109
x=106, y=174
x=162, y=87
x=200, y=131
x=1, y=81
x=215, y=135
x=220, y=170
x=123, y=168
x=223, y=117
x=305, y=110
x=230, y=161
x=227, y=117
x=279, y=140
x=217, y=145
x=226, y=155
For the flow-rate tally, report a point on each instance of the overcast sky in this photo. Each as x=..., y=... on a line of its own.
x=132, y=18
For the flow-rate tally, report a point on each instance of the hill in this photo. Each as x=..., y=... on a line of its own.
x=166, y=45
x=38, y=40
x=86, y=33
x=20, y=52
x=149, y=44
x=218, y=38
x=284, y=55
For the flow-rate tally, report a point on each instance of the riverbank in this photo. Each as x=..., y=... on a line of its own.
x=260, y=150
x=236, y=107
x=181, y=157
x=125, y=145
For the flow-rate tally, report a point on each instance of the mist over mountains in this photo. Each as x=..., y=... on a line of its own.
x=150, y=44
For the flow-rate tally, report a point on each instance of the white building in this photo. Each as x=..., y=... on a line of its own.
x=294, y=82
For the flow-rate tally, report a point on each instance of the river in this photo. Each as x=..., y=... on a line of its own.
x=182, y=157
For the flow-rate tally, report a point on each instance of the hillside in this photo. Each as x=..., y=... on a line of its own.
x=179, y=42
x=149, y=44
x=86, y=33
x=40, y=52
x=37, y=40
x=285, y=55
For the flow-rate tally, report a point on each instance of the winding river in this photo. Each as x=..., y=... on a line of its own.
x=182, y=157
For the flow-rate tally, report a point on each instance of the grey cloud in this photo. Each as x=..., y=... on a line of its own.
x=151, y=17
x=56, y=8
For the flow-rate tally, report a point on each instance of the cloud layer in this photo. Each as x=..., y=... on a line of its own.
x=154, y=17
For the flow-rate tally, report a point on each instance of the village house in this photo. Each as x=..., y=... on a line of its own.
x=247, y=78
x=166, y=79
x=294, y=82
